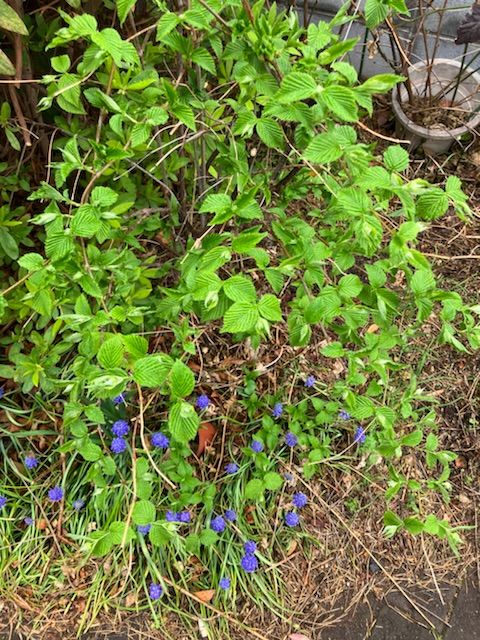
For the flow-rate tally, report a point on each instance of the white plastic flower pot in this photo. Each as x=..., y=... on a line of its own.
x=444, y=74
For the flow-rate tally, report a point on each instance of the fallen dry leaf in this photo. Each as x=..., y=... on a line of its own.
x=204, y=596
x=206, y=434
x=202, y=629
x=130, y=599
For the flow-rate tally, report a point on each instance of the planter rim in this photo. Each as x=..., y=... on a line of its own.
x=425, y=132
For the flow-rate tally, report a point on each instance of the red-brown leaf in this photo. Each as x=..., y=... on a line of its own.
x=204, y=596
x=206, y=434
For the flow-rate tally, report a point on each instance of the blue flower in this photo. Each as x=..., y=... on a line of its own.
x=256, y=446
x=160, y=440
x=120, y=428
x=171, y=516
x=144, y=529
x=218, y=524
x=224, y=583
x=299, y=500
x=277, y=410
x=3, y=501
x=118, y=445
x=344, y=415
x=30, y=461
x=155, y=591
x=202, y=402
x=291, y=519
x=291, y=439
x=119, y=399
x=2, y=392
x=310, y=381
x=78, y=504
x=56, y=494
x=360, y=436
x=250, y=547
x=232, y=467
x=249, y=563
x=184, y=516
x=28, y=521
x=230, y=515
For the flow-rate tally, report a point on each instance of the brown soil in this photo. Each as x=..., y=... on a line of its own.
x=432, y=114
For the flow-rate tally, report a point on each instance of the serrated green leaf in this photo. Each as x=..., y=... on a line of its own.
x=31, y=261
x=58, y=245
x=182, y=380
x=110, y=354
x=247, y=240
x=412, y=439
x=159, y=534
x=269, y=308
x=323, y=148
x=239, y=289
x=85, y=223
x=220, y=204
x=119, y=531
x=341, y=102
x=10, y=20
x=204, y=60
x=61, y=64
x=6, y=66
x=94, y=414
x=432, y=205
x=413, y=525
x=390, y=518
x=270, y=133
x=333, y=350
x=380, y=83
x=68, y=94
x=101, y=543
x=208, y=538
x=103, y=197
x=135, y=345
x=152, y=371
x=166, y=24
x=296, y=86
x=422, y=281
x=139, y=134
x=123, y=8
x=323, y=308
x=89, y=450
x=349, y=286
x=375, y=12
x=185, y=114
x=396, y=158
x=143, y=512
x=272, y=481
x=183, y=421
x=254, y=489
x=240, y=317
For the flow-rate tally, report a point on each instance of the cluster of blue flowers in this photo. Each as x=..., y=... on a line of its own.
x=183, y=517
x=360, y=435
x=202, y=402
x=299, y=500
x=120, y=428
x=30, y=461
